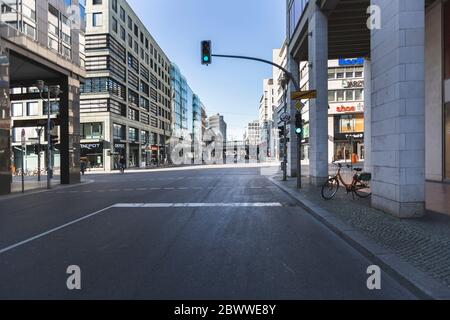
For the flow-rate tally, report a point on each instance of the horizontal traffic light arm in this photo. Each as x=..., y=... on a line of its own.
x=287, y=73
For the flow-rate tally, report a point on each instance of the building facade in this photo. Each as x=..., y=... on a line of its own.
x=251, y=135
x=126, y=98
x=406, y=92
x=266, y=118
x=218, y=126
x=40, y=41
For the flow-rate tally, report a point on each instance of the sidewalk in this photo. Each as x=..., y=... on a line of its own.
x=424, y=244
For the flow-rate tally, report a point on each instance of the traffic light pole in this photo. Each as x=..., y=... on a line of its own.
x=297, y=88
x=49, y=151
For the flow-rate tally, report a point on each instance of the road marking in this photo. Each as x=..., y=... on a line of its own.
x=38, y=236
x=196, y=205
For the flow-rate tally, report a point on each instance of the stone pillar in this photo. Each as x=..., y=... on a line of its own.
x=318, y=108
x=292, y=152
x=367, y=115
x=398, y=108
x=5, y=125
x=70, y=130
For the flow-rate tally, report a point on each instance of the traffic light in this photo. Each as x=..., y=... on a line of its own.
x=37, y=149
x=298, y=123
x=281, y=131
x=53, y=141
x=206, y=52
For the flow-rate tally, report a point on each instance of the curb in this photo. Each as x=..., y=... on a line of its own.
x=38, y=191
x=418, y=282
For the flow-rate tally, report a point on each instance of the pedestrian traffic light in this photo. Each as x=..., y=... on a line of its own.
x=37, y=149
x=206, y=52
x=53, y=141
x=298, y=123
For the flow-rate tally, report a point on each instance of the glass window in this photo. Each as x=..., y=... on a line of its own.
x=114, y=25
x=359, y=95
x=359, y=72
x=331, y=95
x=17, y=109
x=331, y=73
x=349, y=95
x=340, y=74
x=97, y=19
x=340, y=95
x=32, y=109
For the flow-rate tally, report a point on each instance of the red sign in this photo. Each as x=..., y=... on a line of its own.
x=346, y=109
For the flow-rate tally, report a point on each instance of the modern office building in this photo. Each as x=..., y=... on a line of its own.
x=279, y=57
x=407, y=89
x=126, y=98
x=251, y=135
x=40, y=40
x=189, y=114
x=218, y=126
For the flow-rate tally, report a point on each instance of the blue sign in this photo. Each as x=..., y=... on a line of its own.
x=351, y=62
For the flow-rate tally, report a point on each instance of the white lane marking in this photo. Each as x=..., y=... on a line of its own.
x=43, y=234
x=196, y=205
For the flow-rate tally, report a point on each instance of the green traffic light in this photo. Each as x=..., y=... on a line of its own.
x=298, y=130
x=206, y=58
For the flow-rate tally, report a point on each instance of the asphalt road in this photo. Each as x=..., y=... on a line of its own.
x=203, y=234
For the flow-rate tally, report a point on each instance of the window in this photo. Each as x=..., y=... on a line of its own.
x=92, y=131
x=351, y=123
x=331, y=96
x=130, y=23
x=133, y=134
x=122, y=14
x=359, y=72
x=96, y=2
x=114, y=25
x=359, y=95
x=17, y=109
x=331, y=73
x=97, y=19
x=133, y=114
x=349, y=95
x=119, y=131
x=114, y=5
x=32, y=109
x=340, y=74
x=340, y=95
x=123, y=34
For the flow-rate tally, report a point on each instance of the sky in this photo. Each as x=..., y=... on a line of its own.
x=242, y=27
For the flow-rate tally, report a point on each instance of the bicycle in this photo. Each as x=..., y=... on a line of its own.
x=360, y=184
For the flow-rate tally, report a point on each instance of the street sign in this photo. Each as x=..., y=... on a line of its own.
x=304, y=95
x=299, y=105
x=285, y=117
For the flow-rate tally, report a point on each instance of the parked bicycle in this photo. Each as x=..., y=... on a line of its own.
x=360, y=184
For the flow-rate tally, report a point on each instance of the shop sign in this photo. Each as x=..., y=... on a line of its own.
x=349, y=136
x=346, y=108
x=90, y=146
x=119, y=146
x=351, y=62
x=350, y=84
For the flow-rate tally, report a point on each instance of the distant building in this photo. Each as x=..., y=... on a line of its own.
x=218, y=125
x=251, y=135
x=266, y=113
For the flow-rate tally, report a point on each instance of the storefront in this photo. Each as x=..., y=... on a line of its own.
x=133, y=159
x=93, y=154
x=349, y=137
x=119, y=151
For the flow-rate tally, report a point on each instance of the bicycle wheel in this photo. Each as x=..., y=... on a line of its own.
x=362, y=190
x=330, y=188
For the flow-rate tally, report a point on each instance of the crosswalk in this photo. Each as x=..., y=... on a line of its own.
x=143, y=189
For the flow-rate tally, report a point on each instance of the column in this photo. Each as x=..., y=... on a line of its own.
x=70, y=130
x=5, y=125
x=292, y=150
x=318, y=108
x=367, y=115
x=398, y=108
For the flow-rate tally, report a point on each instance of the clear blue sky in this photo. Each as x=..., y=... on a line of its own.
x=246, y=27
